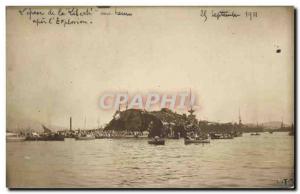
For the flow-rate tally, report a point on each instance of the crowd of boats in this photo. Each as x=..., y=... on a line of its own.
x=83, y=135
x=156, y=125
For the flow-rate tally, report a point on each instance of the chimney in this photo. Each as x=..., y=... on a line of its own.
x=70, y=123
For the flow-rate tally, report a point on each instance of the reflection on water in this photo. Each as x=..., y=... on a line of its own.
x=248, y=161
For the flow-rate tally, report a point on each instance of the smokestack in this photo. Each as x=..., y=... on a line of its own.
x=70, y=123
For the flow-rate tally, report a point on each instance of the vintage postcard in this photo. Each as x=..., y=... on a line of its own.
x=150, y=97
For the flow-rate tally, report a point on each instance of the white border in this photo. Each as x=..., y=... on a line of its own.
x=4, y=3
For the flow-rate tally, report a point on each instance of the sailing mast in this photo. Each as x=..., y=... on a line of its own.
x=191, y=111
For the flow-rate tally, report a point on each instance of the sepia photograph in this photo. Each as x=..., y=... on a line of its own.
x=157, y=97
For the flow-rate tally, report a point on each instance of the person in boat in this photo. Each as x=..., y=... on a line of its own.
x=196, y=136
x=156, y=138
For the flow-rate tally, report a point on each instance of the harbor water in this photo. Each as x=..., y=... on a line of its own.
x=264, y=161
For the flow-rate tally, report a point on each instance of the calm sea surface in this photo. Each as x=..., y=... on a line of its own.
x=248, y=161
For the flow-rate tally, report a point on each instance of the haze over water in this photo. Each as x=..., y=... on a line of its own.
x=248, y=161
x=228, y=63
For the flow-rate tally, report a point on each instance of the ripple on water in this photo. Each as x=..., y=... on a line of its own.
x=242, y=162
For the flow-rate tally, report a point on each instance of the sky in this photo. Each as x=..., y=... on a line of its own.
x=230, y=64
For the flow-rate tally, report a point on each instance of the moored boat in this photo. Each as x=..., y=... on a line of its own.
x=48, y=135
x=157, y=141
x=87, y=137
x=13, y=137
x=221, y=136
x=255, y=133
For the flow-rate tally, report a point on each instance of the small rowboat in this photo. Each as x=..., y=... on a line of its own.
x=221, y=136
x=196, y=141
x=157, y=141
x=88, y=137
x=255, y=133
